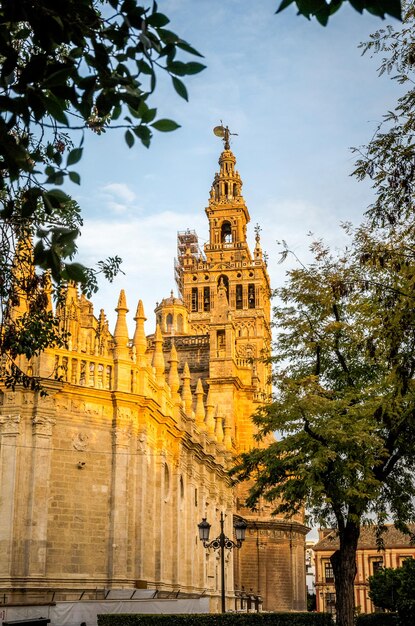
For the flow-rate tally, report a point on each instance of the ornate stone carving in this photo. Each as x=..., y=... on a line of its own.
x=80, y=441
x=91, y=409
x=123, y=413
x=246, y=351
x=43, y=425
x=10, y=397
x=9, y=424
x=122, y=436
x=142, y=441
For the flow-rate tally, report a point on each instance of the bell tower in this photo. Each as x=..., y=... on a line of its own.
x=226, y=290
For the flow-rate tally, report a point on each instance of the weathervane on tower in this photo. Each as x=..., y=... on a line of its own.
x=224, y=133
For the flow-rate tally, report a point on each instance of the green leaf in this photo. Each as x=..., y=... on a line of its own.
x=178, y=68
x=194, y=68
x=75, y=271
x=56, y=178
x=165, y=125
x=74, y=177
x=382, y=7
x=39, y=253
x=144, y=134
x=180, y=88
x=323, y=14
x=284, y=4
x=116, y=112
x=168, y=36
x=30, y=199
x=57, y=78
x=149, y=115
x=158, y=20
x=358, y=5
x=74, y=156
x=7, y=212
x=56, y=109
x=56, y=197
x=183, y=45
x=393, y=8
x=47, y=204
x=129, y=138
x=144, y=67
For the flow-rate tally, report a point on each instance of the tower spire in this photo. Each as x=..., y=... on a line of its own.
x=139, y=339
x=121, y=330
x=158, y=358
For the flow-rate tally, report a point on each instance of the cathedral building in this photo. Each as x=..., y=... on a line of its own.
x=104, y=480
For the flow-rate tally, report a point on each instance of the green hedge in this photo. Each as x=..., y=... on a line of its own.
x=217, y=619
x=377, y=619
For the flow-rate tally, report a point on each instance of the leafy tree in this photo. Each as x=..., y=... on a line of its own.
x=66, y=69
x=344, y=404
x=394, y=590
x=406, y=597
x=322, y=10
x=383, y=588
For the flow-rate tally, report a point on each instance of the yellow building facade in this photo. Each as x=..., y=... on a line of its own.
x=104, y=480
x=369, y=558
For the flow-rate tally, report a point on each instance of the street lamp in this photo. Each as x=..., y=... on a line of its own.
x=220, y=543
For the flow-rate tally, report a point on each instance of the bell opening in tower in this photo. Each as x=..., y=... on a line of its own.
x=206, y=298
x=251, y=296
x=226, y=232
x=239, y=298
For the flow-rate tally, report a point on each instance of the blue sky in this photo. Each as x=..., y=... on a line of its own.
x=298, y=95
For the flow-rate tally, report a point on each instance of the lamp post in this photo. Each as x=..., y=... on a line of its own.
x=220, y=543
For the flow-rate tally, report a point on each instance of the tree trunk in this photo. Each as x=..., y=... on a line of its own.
x=344, y=569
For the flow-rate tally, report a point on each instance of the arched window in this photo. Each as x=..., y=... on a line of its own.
x=206, y=298
x=169, y=323
x=226, y=232
x=251, y=296
x=239, y=301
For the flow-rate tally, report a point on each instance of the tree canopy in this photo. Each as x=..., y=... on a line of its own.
x=67, y=69
x=394, y=590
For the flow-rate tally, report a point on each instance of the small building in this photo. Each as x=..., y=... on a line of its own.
x=397, y=547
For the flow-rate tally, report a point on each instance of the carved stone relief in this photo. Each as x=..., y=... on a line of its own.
x=43, y=425
x=9, y=424
x=80, y=441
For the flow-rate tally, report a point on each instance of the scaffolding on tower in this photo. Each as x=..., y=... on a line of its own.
x=188, y=253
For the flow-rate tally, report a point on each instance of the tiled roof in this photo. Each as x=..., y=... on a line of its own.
x=392, y=538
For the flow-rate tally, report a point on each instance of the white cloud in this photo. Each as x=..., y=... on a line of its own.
x=117, y=207
x=120, y=190
x=147, y=246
